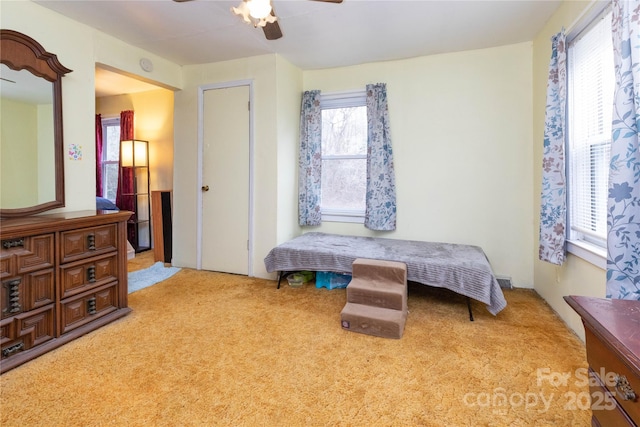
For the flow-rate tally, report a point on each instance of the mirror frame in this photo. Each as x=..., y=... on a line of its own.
x=19, y=51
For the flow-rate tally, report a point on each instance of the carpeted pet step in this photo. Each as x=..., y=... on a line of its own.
x=377, y=293
x=376, y=321
x=378, y=283
x=376, y=269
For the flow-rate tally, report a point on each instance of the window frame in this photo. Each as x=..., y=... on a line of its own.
x=108, y=122
x=579, y=244
x=344, y=99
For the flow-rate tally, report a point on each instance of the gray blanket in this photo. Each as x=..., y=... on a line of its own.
x=463, y=269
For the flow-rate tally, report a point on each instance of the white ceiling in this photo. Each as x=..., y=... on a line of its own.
x=109, y=83
x=24, y=86
x=316, y=34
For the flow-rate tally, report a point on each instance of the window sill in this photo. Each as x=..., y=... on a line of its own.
x=357, y=218
x=588, y=252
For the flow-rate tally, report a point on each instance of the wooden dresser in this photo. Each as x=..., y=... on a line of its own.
x=62, y=276
x=612, y=338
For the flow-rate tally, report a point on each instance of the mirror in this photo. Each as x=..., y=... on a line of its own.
x=31, y=143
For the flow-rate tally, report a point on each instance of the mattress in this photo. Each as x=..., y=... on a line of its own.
x=463, y=269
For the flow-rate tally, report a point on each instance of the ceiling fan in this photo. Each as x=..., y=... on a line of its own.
x=260, y=13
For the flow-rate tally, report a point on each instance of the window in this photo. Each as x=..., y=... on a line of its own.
x=344, y=156
x=110, y=157
x=590, y=78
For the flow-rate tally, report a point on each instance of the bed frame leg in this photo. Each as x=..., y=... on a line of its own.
x=279, y=278
x=468, y=305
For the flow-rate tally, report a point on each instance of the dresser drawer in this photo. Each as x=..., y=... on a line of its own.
x=7, y=331
x=62, y=276
x=84, y=275
x=77, y=311
x=22, y=255
x=27, y=330
x=613, y=373
x=87, y=242
x=27, y=292
x=604, y=407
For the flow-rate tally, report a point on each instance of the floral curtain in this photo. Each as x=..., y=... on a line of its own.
x=98, y=125
x=553, y=199
x=380, y=212
x=623, y=210
x=310, y=160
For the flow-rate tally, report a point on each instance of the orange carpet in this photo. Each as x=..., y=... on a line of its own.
x=203, y=349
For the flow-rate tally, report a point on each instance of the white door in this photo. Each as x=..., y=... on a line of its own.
x=225, y=180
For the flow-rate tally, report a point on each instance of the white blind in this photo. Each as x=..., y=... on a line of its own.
x=590, y=75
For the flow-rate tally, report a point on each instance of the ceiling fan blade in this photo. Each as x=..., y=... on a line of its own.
x=272, y=29
x=181, y=1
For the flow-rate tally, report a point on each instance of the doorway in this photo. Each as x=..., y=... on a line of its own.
x=225, y=178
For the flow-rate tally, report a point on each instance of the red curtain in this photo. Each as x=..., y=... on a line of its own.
x=98, y=155
x=126, y=125
x=124, y=197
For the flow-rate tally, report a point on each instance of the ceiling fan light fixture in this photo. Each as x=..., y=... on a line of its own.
x=264, y=21
x=259, y=9
x=243, y=11
x=251, y=12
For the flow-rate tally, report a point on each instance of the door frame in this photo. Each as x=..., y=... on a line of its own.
x=201, y=90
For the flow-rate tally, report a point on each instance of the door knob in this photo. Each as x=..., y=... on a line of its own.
x=205, y=188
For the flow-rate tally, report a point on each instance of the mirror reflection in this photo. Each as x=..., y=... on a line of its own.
x=27, y=135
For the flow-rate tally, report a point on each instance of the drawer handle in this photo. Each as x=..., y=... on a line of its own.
x=91, y=241
x=91, y=274
x=8, y=244
x=91, y=305
x=623, y=388
x=13, y=349
x=13, y=296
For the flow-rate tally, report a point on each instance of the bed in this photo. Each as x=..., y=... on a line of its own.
x=463, y=269
x=103, y=204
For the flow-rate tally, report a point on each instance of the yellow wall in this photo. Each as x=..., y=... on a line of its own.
x=27, y=154
x=153, y=122
x=19, y=154
x=447, y=112
x=46, y=153
x=576, y=276
x=272, y=133
x=289, y=85
x=461, y=128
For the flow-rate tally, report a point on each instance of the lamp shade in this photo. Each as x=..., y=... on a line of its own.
x=134, y=153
